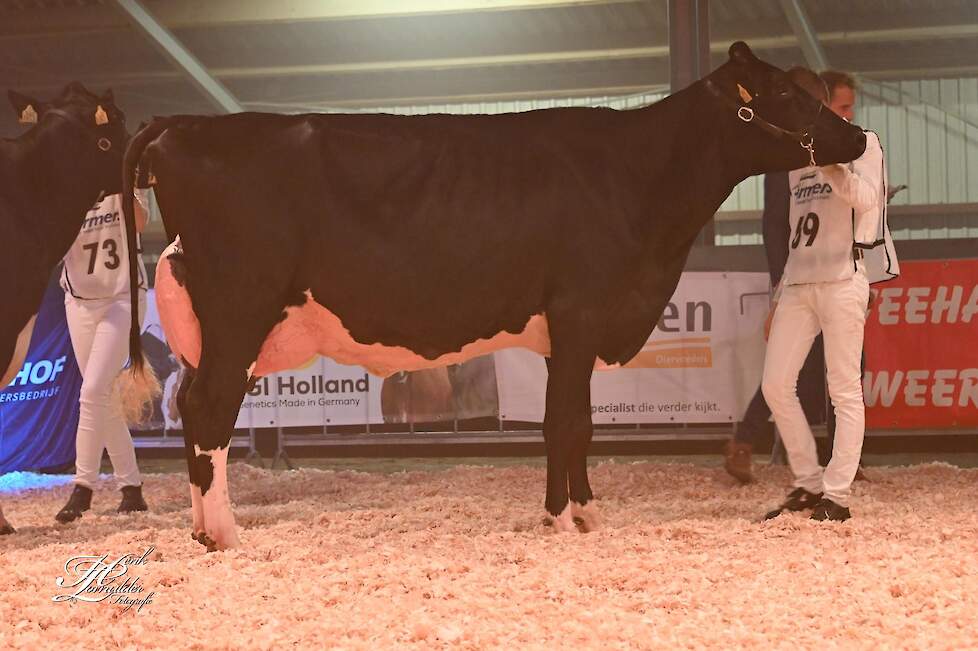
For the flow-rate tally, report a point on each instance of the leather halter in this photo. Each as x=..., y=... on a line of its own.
x=103, y=143
x=802, y=136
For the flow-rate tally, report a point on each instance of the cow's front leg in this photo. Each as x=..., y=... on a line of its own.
x=567, y=420
x=5, y=527
x=581, y=498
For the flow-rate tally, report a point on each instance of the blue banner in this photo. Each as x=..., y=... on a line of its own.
x=39, y=409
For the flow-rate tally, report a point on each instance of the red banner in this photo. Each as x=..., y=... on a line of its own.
x=922, y=348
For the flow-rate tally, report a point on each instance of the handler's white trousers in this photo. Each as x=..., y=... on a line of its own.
x=100, y=338
x=838, y=310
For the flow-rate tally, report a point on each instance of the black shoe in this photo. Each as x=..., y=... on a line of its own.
x=132, y=500
x=826, y=509
x=80, y=500
x=798, y=500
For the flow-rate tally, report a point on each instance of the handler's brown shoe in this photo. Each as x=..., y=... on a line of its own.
x=737, y=461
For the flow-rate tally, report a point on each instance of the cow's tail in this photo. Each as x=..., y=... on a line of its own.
x=139, y=387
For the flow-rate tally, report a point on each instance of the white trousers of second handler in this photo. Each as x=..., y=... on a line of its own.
x=100, y=338
x=837, y=310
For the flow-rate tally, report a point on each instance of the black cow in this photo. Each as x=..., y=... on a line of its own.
x=429, y=233
x=49, y=178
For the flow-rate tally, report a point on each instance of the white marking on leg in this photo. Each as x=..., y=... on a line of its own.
x=218, y=517
x=564, y=523
x=588, y=513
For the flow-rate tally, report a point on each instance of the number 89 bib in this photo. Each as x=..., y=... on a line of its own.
x=97, y=264
x=821, y=238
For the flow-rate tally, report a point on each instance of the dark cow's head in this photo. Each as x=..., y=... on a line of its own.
x=795, y=128
x=87, y=126
x=71, y=152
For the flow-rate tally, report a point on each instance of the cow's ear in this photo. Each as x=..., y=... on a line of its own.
x=27, y=108
x=741, y=53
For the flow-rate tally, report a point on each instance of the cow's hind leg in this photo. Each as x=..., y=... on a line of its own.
x=212, y=403
x=568, y=418
x=189, y=448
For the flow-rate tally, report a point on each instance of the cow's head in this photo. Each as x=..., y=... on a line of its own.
x=71, y=152
x=779, y=126
x=87, y=127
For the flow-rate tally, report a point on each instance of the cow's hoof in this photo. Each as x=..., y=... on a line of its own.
x=586, y=516
x=215, y=543
x=6, y=529
x=564, y=523
x=204, y=540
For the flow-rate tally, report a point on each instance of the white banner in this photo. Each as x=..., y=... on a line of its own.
x=321, y=392
x=702, y=363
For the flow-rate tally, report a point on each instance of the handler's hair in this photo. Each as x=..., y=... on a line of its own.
x=835, y=78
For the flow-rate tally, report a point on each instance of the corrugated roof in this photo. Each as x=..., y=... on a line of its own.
x=293, y=55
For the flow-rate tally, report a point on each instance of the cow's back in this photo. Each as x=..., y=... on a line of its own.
x=426, y=232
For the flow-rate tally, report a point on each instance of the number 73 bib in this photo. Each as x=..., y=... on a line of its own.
x=821, y=238
x=97, y=264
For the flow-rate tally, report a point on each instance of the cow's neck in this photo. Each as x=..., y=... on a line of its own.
x=53, y=181
x=695, y=175
x=46, y=179
x=692, y=177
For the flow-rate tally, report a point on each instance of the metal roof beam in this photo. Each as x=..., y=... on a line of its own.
x=150, y=77
x=180, y=56
x=543, y=93
x=535, y=58
x=805, y=33
x=228, y=12
x=176, y=14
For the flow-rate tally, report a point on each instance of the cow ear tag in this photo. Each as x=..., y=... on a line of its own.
x=744, y=95
x=28, y=115
x=101, y=117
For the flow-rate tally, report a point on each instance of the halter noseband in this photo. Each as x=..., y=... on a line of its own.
x=803, y=136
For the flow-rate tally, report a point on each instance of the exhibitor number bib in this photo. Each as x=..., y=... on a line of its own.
x=97, y=265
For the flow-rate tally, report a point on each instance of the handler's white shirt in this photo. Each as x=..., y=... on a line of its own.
x=97, y=264
x=834, y=208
